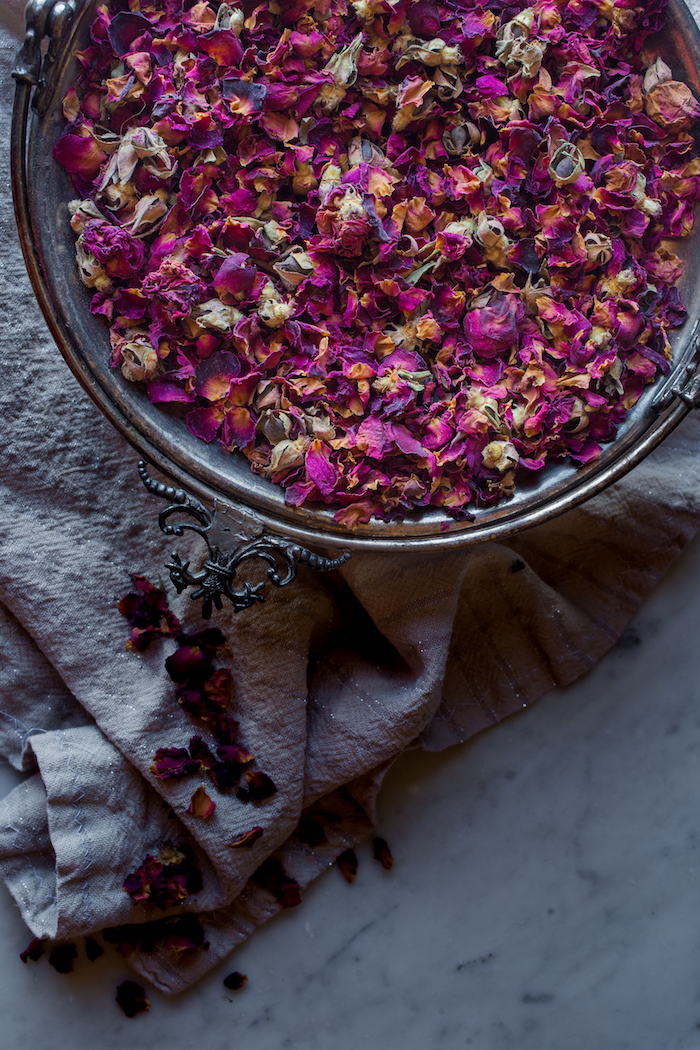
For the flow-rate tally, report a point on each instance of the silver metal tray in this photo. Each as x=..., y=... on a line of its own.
x=42, y=189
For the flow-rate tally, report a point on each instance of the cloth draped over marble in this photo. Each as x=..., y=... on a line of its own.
x=334, y=676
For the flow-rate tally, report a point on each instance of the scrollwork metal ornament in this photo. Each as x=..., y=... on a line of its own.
x=215, y=580
x=43, y=18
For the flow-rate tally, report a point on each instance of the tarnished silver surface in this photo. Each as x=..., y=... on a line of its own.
x=214, y=475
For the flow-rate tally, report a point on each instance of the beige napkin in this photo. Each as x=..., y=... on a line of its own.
x=334, y=676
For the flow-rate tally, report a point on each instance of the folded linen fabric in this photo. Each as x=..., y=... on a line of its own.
x=333, y=677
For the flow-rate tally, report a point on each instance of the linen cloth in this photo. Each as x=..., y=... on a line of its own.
x=334, y=676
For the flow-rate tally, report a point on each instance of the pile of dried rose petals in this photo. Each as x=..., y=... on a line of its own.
x=392, y=251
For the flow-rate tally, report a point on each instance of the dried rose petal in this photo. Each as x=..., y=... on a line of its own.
x=259, y=786
x=132, y=998
x=148, y=613
x=235, y=980
x=172, y=762
x=347, y=862
x=166, y=879
x=93, y=950
x=33, y=951
x=310, y=830
x=247, y=839
x=272, y=877
x=63, y=958
x=189, y=664
x=180, y=933
x=382, y=853
x=200, y=804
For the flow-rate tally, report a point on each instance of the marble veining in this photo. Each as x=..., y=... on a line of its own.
x=545, y=893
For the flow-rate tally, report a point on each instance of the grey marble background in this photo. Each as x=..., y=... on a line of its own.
x=545, y=893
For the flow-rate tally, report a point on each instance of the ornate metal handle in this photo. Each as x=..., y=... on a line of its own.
x=687, y=389
x=50, y=18
x=215, y=579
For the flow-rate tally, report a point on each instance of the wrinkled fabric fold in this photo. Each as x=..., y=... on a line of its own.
x=334, y=677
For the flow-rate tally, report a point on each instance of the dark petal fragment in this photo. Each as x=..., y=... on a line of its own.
x=208, y=640
x=224, y=728
x=138, y=883
x=148, y=613
x=525, y=256
x=272, y=877
x=225, y=775
x=424, y=18
x=216, y=373
x=235, y=980
x=310, y=830
x=132, y=998
x=200, y=753
x=172, y=763
x=260, y=786
x=124, y=28
x=63, y=957
x=33, y=951
x=253, y=94
x=180, y=933
x=194, y=702
x=126, y=939
x=168, y=888
x=218, y=689
x=189, y=664
x=183, y=933
x=93, y=950
x=234, y=753
x=382, y=853
x=242, y=795
x=347, y=862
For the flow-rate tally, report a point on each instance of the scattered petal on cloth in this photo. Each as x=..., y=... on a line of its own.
x=333, y=677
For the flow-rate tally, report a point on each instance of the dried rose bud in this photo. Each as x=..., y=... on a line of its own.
x=566, y=164
x=272, y=309
x=598, y=248
x=331, y=178
x=92, y=273
x=139, y=359
x=229, y=18
x=343, y=66
x=216, y=316
x=304, y=181
x=286, y=455
x=431, y=53
x=276, y=425
x=81, y=212
x=294, y=268
x=454, y=140
x=362, y=151
x=657, y=73
x=518, y=28
x=500, y=455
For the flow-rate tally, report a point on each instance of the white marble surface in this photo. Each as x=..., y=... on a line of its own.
x=545, y=895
